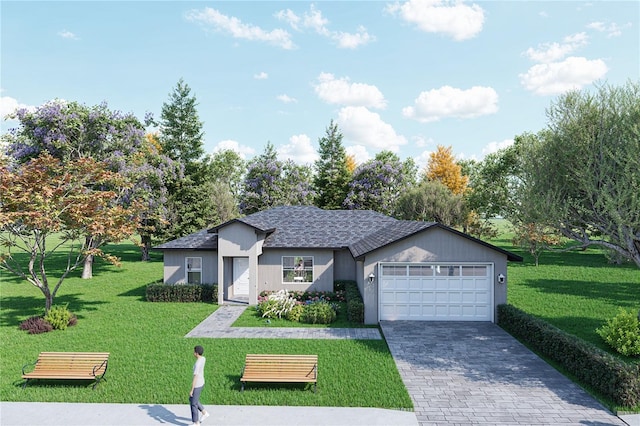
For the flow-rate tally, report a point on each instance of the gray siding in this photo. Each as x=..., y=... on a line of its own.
x=239, y=240
x=175, y=268
x=432, y=245
x=344, y=266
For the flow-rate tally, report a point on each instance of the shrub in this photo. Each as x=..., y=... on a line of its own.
x=59, y=317
x=277, y=305
x=609, y=375
x=36, y=325
x=318, y=313
x=188, y=293
x=622, y=333
x=295, y=314
x=355, y=305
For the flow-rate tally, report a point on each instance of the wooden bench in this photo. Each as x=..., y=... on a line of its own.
x=280, y=369
x=68, y=366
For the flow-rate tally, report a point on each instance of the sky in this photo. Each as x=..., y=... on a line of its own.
x=400, y=76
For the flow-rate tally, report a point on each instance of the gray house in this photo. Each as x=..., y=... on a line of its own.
x=405, y=270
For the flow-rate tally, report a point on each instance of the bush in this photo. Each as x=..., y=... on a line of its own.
x=36, y=325
x=295, y=314
x=612, y=377
x=182, y=293
x=318, y=313
x=622, y=333
x=276, y=305
x=355, y=305
x=59, y=317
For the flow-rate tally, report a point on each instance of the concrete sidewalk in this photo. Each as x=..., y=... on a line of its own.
x=68, y=414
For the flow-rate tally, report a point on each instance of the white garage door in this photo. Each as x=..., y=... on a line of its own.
x=436, y=292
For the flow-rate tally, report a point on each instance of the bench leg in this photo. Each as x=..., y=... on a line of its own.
x=242, y=388
x=25, y=383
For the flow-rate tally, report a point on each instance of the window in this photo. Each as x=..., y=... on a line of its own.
x=194, y=270
x=297, y=269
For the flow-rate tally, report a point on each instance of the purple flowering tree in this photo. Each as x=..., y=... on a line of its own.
x=378, y=184
x=270, y=182
x=70, y=130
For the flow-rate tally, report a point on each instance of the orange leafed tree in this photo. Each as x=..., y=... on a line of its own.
x=443, y=167
x=351, y=163
x=44, y=198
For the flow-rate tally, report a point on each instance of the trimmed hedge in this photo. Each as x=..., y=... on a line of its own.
x=614, y=378
x=355, y=305
x=182, y=293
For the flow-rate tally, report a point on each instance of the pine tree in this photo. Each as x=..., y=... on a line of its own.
x=181, y=132
x=332, y=175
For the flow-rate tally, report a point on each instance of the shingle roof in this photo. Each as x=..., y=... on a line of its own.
x=201, y=240
x=361, y=231
x=308, y=226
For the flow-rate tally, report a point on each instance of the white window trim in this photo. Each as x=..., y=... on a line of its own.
x=282, y=269
x=187, y=270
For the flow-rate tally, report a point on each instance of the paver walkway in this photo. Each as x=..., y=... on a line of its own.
x=476, y=373
x=219, y=323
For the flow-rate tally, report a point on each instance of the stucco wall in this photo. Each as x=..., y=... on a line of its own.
x=432, y=245
x=270, y=270
x=344, y=265
x=239, y=240
x=175, y=268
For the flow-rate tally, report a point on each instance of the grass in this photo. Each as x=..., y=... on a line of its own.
x=151, y=360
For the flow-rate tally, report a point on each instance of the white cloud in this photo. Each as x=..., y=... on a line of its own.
x=243, y=151
x=558, y=77
x=261, y=76
x=68, y=35
x=343, y=92
x=299, y=149
x=496, y=146
x=421, y=161
x=235, y=28
x=551, y=52
x=421, y=141
x=9, y=105
x=612, y=29
x=448, y=101
x=286, y=99
x=314, y=21
x=359, y=153
x=449, y=17
x=363, y=127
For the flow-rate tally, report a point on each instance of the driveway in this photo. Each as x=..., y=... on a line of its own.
x=476, y=373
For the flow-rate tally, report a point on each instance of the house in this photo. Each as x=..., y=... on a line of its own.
x=405, y=270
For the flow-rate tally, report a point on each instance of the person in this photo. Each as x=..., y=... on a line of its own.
x=196, y=387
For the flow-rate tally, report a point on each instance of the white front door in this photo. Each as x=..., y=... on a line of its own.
x=240, y=276
x=436, y=292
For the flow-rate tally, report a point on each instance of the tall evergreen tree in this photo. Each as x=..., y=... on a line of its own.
x=191, y=199
x=181, y=132
x=332, y=177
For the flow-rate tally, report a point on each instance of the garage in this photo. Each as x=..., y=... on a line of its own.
x=436, y=291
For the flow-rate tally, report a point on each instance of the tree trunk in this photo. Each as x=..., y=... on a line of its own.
x=87, y=270
x=145, y=247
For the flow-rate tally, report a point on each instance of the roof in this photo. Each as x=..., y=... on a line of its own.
x=360, y=231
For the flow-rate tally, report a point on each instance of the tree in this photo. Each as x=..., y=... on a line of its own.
x=45, y=197
x=270, y=182
x=432, y=201
x=351, y=164
x=226, y=166
x=582, y=176
x=70, y=130
x=332, y=175
x=535, y=238
x=379, y=183
x=443, y=167
x=181, y=132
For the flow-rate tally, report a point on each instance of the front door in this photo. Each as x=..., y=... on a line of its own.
x=240, y=276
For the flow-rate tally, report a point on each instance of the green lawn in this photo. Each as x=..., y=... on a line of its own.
x=151, y=360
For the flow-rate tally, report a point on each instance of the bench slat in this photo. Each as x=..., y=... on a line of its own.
x=280, y=368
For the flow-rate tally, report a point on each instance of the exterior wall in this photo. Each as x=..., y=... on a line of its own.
x=344, y=265
x=432, y=245
x=175, y=268
x=238, y=240
x=270, y=270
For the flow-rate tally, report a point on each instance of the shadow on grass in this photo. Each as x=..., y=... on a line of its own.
x=17, y=308
x=623, y=294
x=139, y=292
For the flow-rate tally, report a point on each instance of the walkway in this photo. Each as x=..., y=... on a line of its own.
x=218, y=325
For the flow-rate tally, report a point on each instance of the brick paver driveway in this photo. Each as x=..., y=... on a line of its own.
x=475, y=373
